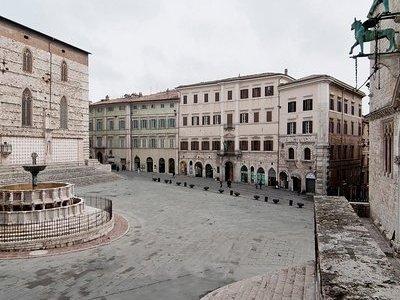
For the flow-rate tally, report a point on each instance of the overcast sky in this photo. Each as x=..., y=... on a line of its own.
x=151, y=45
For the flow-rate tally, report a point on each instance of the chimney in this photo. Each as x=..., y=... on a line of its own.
x=286, y=72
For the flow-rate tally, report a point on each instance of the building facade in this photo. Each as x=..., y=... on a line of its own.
x=320, y=135
x=109, y=126
x=136, y=132
x=228, y=129
x=384, y=126
x=44, y=105
x=155, y=132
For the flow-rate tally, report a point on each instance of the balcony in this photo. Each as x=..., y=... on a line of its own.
x=237, y=153
x=229, y=126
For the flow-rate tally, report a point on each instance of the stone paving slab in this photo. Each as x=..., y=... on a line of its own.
x=181, y=245
x=292, y=283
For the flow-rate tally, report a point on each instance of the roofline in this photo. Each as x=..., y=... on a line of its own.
x=234, y=79
x=19, y=25
x=324, y=78
x=131, y=101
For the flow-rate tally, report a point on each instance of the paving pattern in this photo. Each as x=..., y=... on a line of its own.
x=182, y=244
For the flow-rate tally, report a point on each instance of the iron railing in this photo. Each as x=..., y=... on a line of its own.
x=101, y=214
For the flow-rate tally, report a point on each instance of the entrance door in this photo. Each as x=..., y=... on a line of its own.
x=229, y=171
x=296, y=184
x=149, y=163
x=137, y=163
x=171, y=166
x=209, y=171
x=310, y=183
x=198, y=168
x=161, y=165
x=100, y=157
x=271, y=177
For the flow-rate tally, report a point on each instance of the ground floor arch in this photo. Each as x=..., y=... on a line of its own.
x=198, y=169
x=283, y=180
x=271, y=177
x=228, y=171
x=171, y=166
x=183, y=168
x=209, y=171
x=161, y=165
x=244, y=174
x=261, y=176
x=296, y=179
x=136, y=163
x=149, y=163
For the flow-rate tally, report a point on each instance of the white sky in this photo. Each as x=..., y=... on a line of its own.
x=151, y=45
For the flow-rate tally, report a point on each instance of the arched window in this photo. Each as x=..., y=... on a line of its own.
x=63, y=113
x=307, y=154
x=27, y=61
x=27, y=108
x=64, y=71
x=291, y=153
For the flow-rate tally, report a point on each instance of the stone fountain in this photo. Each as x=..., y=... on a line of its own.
x=48, y=215
x=34, y=169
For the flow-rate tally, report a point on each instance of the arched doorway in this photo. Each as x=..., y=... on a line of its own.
x=209, y=171
x=171, y=166
x=296, y=183
x=149, y=162
x=271, y=177
x=198, y=169
x=228, y=171
x=100, y=157
x=137, y=163
x=283, y=180
x=161, y=165
x=252, y=176
x=310, y=183
x=261, y=175
x=183, y=168
x=244, y=174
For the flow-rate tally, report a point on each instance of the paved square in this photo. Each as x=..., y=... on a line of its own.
x=182, y=244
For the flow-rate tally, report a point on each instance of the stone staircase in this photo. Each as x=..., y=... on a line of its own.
x=78, y=174
x=295, y=282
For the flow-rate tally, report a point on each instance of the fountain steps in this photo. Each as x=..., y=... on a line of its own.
x=74, y=173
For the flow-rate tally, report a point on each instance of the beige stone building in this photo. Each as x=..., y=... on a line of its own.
x=228, y=128
x=136, y=132
x=384, y=126
x=320, y=134
x=43, y=97
x=234, y=128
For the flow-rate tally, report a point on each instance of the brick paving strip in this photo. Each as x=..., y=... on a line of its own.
x=121, y=227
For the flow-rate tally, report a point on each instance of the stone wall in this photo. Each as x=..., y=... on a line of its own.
x=384, y=189
x=350, y=263
x=45, y=136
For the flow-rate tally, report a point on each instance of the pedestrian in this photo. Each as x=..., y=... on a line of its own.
x=220, y=183
x=260, y=184
x=229, y=183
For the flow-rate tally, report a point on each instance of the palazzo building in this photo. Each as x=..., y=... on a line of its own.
x=320, y=136
x=228, y=129
x=136, y=132
x=44, y=105
x=384, y=126
x=234, y=128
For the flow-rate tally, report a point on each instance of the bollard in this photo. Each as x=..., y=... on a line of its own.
x=184, y=184
x=290, y=202
x=231, y=193
x=266, y=198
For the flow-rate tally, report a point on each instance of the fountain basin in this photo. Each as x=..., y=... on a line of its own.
x=44, y=193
